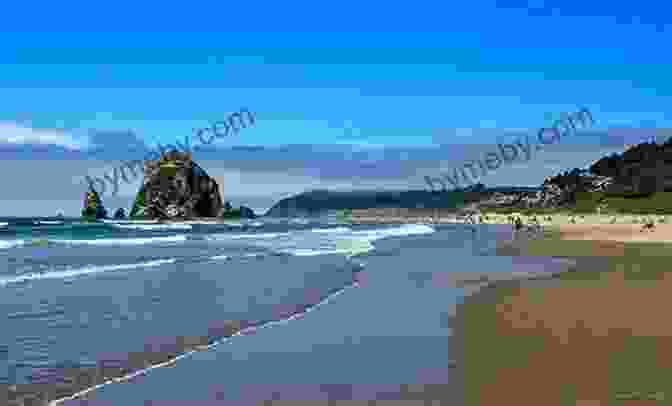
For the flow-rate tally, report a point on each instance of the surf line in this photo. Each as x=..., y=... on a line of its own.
x=246, y=331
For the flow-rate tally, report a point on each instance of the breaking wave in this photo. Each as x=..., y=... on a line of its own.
x=69, y=273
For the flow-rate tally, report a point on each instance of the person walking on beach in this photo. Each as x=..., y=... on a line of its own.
x=536, y=225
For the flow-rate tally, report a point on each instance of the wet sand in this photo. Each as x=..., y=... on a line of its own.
x=84, y=380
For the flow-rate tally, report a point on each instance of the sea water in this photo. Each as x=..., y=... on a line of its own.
x=335, y=304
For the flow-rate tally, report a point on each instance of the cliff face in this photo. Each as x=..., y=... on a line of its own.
x=175, y=187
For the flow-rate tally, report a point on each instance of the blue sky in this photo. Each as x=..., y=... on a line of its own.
x=411, y=75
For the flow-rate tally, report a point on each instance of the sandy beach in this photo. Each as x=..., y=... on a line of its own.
x=616, y=232
x=587, y=336
x=562, y=341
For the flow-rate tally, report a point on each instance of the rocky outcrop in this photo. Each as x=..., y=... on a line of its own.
x=120, y=214
x=243, y=212
x=175, y=187
x=228, y=212
x=246, y=212
x=93, y=206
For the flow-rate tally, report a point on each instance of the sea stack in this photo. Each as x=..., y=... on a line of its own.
x=120, y=214
x=93, y=206
x=175, y=187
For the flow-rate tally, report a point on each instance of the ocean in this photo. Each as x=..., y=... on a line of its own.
x=332, y=311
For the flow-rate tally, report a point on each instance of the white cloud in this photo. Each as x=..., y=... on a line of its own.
x=12, y=133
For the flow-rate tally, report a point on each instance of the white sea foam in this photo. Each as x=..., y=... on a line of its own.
x=331, y=230
x=324, y=241
x=11, y=243
x=47, y=222
x=150, y=227
x=398, y=231
x=302, y=252
x=69, y=273
x=260, y=236
x=342, y=240
x=128, y=221
x=125, y=241
x=201, y=222
x=348, y=247
x=3, y=224
x=255, y=255
x=6, y=244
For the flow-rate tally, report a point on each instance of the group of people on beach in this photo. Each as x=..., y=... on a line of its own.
x=513, y=219
x=518, y=224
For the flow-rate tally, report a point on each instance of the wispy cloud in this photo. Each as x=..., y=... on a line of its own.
x=13, y=133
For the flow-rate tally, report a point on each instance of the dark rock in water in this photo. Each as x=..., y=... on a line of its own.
x=243, y=212
x=120, y=214
x=93, y=206
x=246, y=212
x=175, y=187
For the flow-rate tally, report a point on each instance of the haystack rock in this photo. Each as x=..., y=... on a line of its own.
x=175, y=187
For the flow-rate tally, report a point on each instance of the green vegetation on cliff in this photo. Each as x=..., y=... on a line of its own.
x=635, y=203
